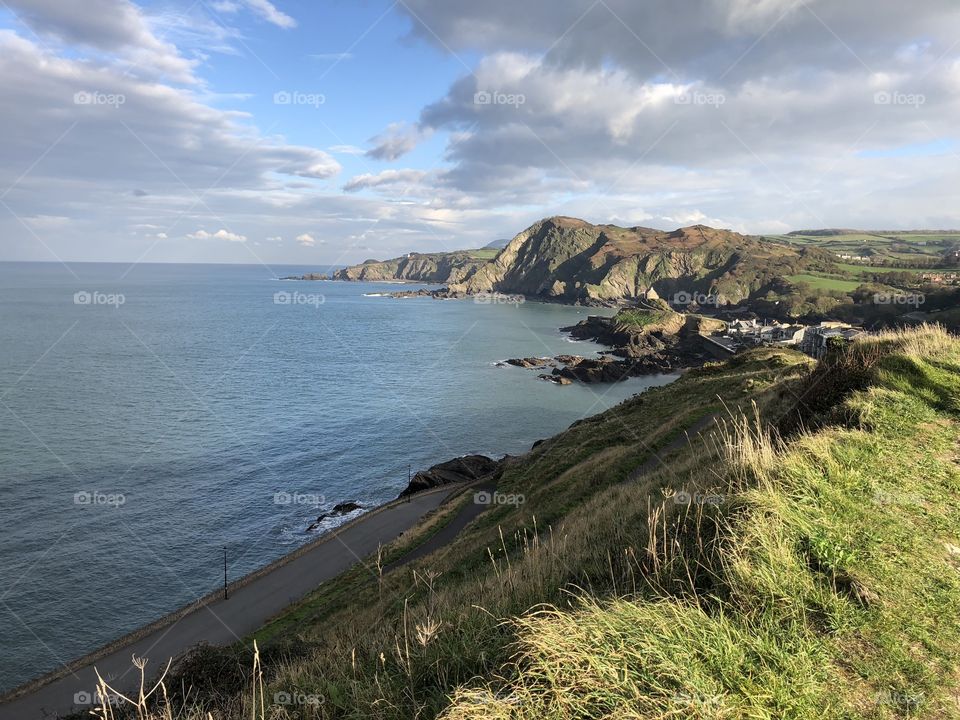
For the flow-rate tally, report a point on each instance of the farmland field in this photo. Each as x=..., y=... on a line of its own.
x=898, y=247
x=821, y=282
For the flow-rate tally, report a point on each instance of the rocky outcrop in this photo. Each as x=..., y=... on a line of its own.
x=307, y=276
x=438, y=268
x=462, y=469
x=535, y=363
x=441, y=294
x=649, y=337
x=338, y=510
x=569, y=260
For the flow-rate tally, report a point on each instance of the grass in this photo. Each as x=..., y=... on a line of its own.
x=864, y=269
x=749, y=575
x=822, y=282
x=895, y=246
x=483, y=253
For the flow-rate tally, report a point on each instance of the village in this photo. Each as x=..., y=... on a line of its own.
x=812, y=340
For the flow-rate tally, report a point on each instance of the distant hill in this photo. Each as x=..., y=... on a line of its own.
x=498, y=244
x=828, y=232
x=570, y=260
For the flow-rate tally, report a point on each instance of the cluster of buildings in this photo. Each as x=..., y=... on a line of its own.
x=814, y=340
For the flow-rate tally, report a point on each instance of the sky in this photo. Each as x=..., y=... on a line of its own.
x=332, y=131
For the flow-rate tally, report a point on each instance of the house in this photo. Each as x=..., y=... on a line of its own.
x=817, y=339
x=789, y=334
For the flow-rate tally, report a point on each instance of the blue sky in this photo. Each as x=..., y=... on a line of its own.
x=358, y=56
x=285, y=131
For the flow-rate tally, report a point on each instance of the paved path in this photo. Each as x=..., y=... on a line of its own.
x=682, y=440
x=221, y=622
x=448, y=532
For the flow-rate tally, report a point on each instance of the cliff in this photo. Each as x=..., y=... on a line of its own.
x=570, y=260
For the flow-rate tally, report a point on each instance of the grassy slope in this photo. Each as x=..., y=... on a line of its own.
x=832, y=581
x=370, y=650
x=815, y=578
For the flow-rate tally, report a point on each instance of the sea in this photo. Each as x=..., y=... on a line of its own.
x=152, y=415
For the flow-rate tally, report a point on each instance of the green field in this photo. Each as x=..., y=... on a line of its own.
x=862, y=269
x=825, y=283
x=483, y=253
x=883, y=246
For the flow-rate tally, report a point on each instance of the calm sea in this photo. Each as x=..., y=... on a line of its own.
x=151, y=416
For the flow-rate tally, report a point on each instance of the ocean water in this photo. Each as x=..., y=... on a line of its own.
x=150, y=416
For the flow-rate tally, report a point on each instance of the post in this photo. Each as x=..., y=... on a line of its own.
x=225, y=572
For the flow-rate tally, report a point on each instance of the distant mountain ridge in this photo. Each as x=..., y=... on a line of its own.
x=570, y=260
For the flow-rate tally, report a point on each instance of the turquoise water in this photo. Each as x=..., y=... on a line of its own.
x=179, y=410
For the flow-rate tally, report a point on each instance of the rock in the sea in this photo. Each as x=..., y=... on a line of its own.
x=555, y=379
x=308, y=276
x=339, y=510
x=461, y=469
x=534, y=363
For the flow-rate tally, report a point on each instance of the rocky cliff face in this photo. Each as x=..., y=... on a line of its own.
x=443, y=268
x=570, y=260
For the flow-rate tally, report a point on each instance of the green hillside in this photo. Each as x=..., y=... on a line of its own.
x=756, y=572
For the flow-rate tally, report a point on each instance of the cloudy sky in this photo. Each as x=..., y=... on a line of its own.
x=330, y=131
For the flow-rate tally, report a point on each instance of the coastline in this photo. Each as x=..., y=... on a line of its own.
x=173, y=617
x=201, y=603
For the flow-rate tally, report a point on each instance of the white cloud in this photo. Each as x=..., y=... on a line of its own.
x=268, y=11
x=387, y=177
x=226, y=6
x=218, y=235
x=346, y=150
x=396, y=141
x=306, y=240
x=115, y=26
